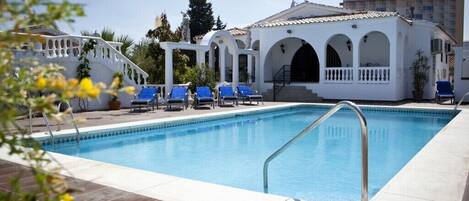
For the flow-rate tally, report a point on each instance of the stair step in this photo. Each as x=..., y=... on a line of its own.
x=293, y=94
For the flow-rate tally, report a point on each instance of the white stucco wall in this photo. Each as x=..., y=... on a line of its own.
x=315, y=35
x=100, y=72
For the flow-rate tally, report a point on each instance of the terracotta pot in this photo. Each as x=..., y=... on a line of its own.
x=114, y=105
x=418, y=95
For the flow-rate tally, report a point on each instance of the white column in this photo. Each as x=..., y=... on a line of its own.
x=258, y=71
x=356, y=59
x=200, y=57
x=168, y=70
x=222, y=62
x=235, y=70
x=211, y=59
x=249, y=68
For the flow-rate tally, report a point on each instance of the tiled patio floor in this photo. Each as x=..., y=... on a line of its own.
x=86, y=190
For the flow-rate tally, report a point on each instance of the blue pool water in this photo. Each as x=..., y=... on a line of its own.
x=325, y=165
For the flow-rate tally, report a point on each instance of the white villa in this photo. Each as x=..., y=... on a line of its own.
x=308, y=52
x=332, y=52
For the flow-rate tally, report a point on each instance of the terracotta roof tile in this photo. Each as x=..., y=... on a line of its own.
x=329, y=18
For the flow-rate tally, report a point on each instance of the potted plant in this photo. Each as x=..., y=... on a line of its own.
x=114, y=103
x=420, y=68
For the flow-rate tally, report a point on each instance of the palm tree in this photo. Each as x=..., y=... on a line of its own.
x=107, y=34
x=127, y=42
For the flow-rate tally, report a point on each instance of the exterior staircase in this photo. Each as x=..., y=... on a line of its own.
x=292, y=94
x=105, y=59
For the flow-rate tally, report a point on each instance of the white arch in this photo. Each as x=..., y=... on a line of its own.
x=271, y=67
x=221, y=37
x=378, y=55
x=346, y=55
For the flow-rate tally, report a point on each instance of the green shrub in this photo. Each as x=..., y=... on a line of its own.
x=199, y=76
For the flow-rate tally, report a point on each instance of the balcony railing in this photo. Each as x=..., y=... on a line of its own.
x=339, y=74
x=374, y=75
x=105, y=52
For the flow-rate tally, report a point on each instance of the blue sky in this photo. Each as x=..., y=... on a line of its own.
x=135, y=17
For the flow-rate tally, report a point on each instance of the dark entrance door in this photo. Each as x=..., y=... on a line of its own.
x=305, y=65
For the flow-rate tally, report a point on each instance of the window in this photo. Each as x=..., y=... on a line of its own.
x=441, y=57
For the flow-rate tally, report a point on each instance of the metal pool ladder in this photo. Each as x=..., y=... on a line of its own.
x=460, y=102
x=46, y=121
x=317, y=122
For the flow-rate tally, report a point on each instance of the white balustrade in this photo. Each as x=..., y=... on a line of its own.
x=104, y=52
x=374, y=75
x=339, y=74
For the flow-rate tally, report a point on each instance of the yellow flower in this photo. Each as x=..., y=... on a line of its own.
x=129, y=90
x=58, y=83
x=93, y=93
x=66, y=197
x=86, y=84
x=72, y=83
x=41, y=83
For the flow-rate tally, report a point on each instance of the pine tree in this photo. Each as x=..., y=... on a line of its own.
x=219, y=25
x=201, y=17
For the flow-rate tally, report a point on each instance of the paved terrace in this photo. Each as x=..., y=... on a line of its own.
x=82, y=190
x=99, y=118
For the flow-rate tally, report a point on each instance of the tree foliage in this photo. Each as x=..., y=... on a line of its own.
x=201, y=17
x=219, y=25
x=200, y=76
x=420, y=67
x=151, y=57
x=108, y=34
x=27, y=85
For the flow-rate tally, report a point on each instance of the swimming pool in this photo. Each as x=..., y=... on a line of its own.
x=325, y=165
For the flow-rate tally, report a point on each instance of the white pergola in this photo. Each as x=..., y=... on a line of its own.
x=225, y=41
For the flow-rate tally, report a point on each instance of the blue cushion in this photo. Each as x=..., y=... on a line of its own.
x=178, y=93
x=205, y=99
x=148, y=93
x=444, y=88
x=245, y=90
x=226, y=91
x=203, y=92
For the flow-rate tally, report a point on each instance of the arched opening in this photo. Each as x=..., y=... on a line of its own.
x=216, y=61
x=296, y=55
x=240, y=44
x=255, y=46
x=339, y=52
x=333, y=58
x=305, y=65
x=374, y=50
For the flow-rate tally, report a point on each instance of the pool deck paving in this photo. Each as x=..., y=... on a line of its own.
x=438, y=172
x=82, y=190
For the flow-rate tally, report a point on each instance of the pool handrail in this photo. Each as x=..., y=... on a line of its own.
x=305, y=131
x=460, y=101
x=77, y=136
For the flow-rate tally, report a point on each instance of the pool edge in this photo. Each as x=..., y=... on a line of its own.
x=192, y=186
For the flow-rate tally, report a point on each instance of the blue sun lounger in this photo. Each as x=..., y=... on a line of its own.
x=444, y=91
x=147, y=97
x=178, y=96
x=247, y=94
x=226, y=94
x=203, y=96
